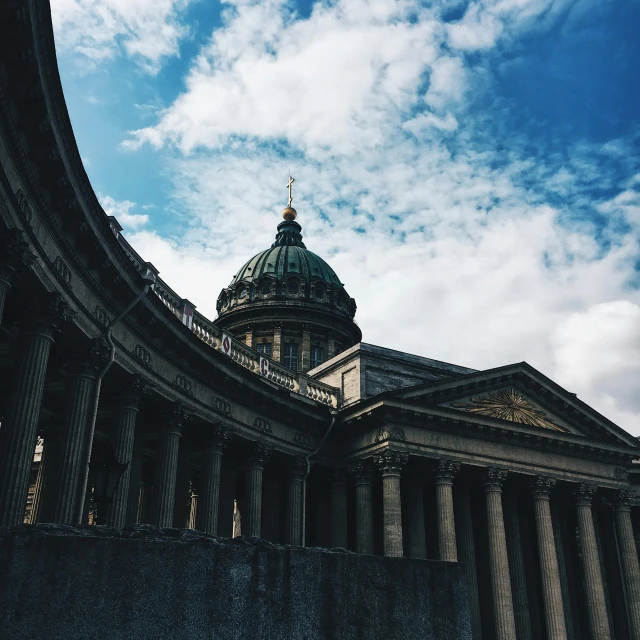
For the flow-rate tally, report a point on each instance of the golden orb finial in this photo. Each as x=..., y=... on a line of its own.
x=289, y=214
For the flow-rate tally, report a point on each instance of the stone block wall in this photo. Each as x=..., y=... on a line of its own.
x=61, y=582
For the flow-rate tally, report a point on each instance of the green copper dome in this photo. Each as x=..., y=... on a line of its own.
x=286, y=274
x=287, y=256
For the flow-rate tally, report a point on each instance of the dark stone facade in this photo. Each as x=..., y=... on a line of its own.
x=72, y=583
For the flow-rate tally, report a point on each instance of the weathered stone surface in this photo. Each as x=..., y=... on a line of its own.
x=65, y=582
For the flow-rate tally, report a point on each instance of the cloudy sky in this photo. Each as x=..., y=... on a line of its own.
x=471, y=169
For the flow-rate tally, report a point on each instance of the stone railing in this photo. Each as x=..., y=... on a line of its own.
x=239, y=352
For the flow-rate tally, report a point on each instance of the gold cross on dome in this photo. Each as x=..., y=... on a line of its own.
x=289, y=186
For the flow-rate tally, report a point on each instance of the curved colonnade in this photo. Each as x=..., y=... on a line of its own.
x=541, y=518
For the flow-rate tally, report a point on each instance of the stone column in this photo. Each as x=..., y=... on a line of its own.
x=294, y=501
x=15, y=258
x=209, y=494
x=516, y=567
x=249, y=337
x=363, y=475
x=339, y=509
x=252, y=518
x=390, y=464
x=123, y=437
x=593, y=585
x=447, y=548
x=164, y=483
x=75, y=443
x=134, y=499
x=550, y=574
x=277, y=343
x=629, y=561
x=20, y=423
x=467, y=554
x=498, y=558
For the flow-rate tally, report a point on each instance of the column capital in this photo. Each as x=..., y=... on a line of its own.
x=260, y=453
x=584, y=494
x=48, y=316
x=494, y=479
x=218, y=438
x=175, y=419
x=15, y=256
x=390, y=463
x=130, y=395
x=297, y=468
x=361, y=471
x=88, y=360
x=623, y=500
x=541, y=487
x=445, y=471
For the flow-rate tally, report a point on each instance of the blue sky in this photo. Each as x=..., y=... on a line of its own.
x=471, y=169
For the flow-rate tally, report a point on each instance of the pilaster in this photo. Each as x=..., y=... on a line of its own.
x=164, y=484
x=294, y=500
x=306, y=348
x=127, y=405
x=277, y=343
x=252, y=518
x=519, y=588
x=362, y=473
x=339, y=509
x=209, y=495
x=467, y=554
x=20, y=424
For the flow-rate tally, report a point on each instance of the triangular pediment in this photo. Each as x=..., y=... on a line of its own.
x=517, y=395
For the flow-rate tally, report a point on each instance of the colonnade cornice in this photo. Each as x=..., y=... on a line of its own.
x=368, y=419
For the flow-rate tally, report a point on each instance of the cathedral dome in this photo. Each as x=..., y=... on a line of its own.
x=288, y=303
x=287, y=270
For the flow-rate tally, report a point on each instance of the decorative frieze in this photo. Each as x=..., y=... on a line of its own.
x=302, y=439
x=221, y=406
x=262, y=424
x=142, y=355
x=392, y=432
x=25, y=205
x=184, y=384
x=101, y=316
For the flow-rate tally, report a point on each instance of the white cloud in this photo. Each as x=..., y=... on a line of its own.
x=453, y=248
x=147, y=30
x=121, y=209
x=597, y=353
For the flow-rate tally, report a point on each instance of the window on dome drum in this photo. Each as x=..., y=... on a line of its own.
x=265, y=348
x=242, y=292
x=291, y=356
x=317, y=356
x=319, y=289
x=293, y=286
x=265, y=288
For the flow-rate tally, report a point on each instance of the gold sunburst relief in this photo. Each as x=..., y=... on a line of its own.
x=508, y=404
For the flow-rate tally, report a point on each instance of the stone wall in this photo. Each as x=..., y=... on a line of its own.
x=142, y=582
